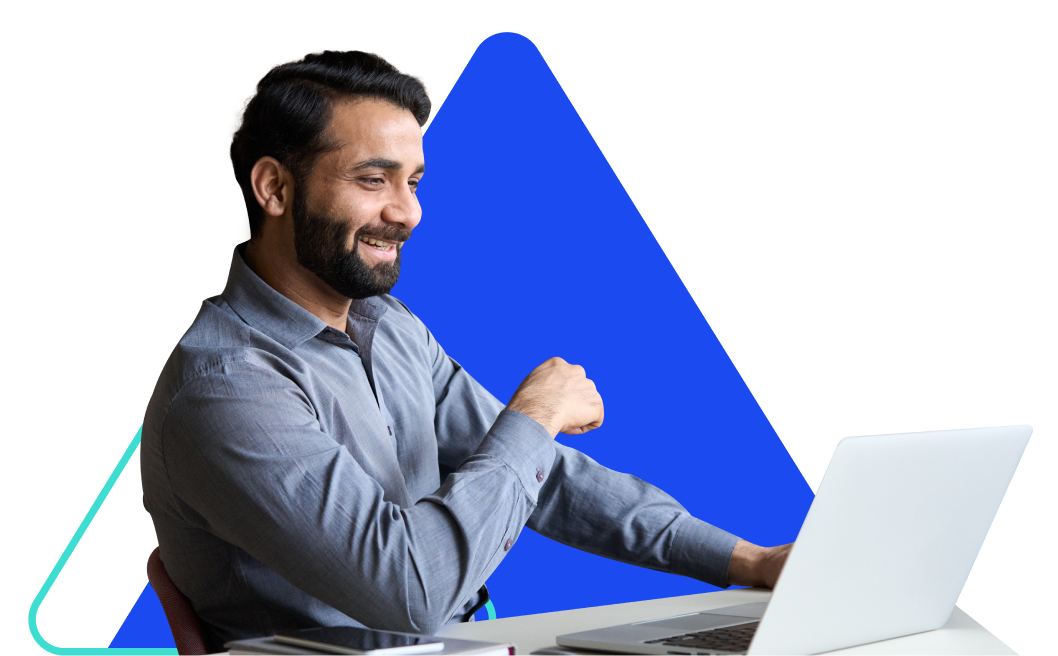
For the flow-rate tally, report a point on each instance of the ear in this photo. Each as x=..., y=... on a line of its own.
x=273, y=186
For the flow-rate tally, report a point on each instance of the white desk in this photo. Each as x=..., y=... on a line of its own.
x=961, y=635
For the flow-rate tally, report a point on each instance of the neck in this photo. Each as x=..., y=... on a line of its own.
x=275, y=262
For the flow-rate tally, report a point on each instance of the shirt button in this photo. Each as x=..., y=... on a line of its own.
x=539, y=475
x=508, y=544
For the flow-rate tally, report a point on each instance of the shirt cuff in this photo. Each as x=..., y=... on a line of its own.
x=702, y=551
x=522, y=444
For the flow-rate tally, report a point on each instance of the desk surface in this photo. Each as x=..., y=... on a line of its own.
x=961, y=635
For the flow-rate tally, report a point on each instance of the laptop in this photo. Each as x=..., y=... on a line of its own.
x=884, y=552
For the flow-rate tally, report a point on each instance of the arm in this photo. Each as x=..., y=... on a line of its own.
x=590, y=507
x=246, y=455
x=619, y=516
x=582, y=503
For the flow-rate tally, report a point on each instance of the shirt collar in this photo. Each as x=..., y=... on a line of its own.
x=277, y=316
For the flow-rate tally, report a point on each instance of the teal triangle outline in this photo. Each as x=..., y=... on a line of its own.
x=35, y=606
x=57, y=569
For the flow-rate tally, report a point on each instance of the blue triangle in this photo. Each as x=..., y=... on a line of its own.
x=529, y=248
x=146, y=625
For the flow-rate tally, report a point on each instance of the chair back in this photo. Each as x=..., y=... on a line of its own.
x=185, y=625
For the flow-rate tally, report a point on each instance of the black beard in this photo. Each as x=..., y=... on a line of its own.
x=319, y=241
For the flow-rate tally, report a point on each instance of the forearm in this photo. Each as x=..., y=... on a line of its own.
x=592, y=508
x=586, y=505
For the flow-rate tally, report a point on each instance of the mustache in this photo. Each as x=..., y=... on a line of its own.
x=390, y=233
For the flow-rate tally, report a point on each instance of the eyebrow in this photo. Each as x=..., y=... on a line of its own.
x=383, y=163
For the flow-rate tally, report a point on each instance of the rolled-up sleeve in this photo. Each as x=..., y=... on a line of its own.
x=247, y=458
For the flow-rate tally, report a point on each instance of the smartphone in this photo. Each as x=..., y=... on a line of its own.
x=351, y=640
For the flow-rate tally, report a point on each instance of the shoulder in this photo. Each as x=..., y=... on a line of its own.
x=219, y=338
x=403, y=335
x=400, y=319
x=221, y=349
x=396, y=307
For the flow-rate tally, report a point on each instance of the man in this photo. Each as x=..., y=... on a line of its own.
x=311, y=456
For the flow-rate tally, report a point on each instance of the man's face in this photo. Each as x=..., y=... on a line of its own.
x=357, y=207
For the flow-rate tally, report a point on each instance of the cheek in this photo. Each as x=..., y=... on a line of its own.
x=355, y=210
x=344, y=204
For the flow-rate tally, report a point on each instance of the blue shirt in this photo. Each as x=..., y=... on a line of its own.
x=302, y=476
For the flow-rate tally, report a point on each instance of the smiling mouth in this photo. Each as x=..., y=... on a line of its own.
x=380, y=244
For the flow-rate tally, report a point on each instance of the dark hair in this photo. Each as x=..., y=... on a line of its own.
x=288, y=115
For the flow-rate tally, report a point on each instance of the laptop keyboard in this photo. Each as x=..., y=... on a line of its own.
x=728, y=639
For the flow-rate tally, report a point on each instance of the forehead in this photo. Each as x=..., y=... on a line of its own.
x=365, y=128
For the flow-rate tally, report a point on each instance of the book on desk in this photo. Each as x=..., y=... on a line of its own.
x=268, y=645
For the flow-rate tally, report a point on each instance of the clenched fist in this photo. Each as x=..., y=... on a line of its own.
x=560, y=397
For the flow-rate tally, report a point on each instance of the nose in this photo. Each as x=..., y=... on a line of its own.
x=403, y=208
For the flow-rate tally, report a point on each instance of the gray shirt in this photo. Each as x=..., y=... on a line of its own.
x=302, y=476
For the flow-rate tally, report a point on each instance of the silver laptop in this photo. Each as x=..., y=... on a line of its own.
x=884, y=552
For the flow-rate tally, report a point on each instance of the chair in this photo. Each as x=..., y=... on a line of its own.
x=185, y=625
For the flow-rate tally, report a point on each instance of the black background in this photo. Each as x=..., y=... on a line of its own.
x=856, y=218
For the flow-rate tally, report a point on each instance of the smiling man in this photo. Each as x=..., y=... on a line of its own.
x=312, y=457
x=363, y=209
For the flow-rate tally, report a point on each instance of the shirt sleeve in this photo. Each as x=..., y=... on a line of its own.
x=583, y=504
x=596, y=509
x=246, y=455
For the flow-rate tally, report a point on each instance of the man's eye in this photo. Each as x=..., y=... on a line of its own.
x=379, y=181
x=414, y=184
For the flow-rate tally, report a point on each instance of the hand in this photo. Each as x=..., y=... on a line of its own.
x=560, y=397
x=757, y=566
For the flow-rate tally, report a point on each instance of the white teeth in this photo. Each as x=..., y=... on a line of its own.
x=381, y=245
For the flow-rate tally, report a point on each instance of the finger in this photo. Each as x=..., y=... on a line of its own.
x=546, y=364
x=550, y=362
x=580, y=430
